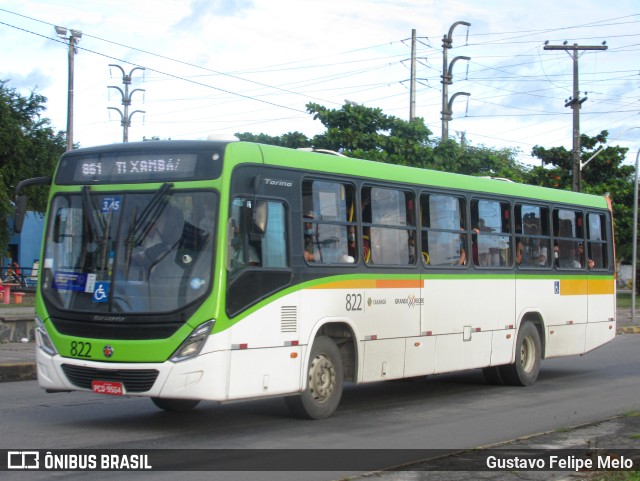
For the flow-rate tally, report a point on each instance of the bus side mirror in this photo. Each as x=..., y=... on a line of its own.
x=19, y=214
x=260, y=216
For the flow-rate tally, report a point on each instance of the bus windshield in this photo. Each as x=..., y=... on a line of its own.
x=129, y=252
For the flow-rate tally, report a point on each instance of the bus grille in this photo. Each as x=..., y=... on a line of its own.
x=138, y=380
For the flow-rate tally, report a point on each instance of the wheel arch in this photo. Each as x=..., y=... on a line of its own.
x=344, y=337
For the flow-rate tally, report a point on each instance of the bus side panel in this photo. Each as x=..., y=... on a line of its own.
x=599, y=333
x=264, y=372
x=420, y=356
x=455, y=354
x=565, y=340
x=383, y=359
x=455, y=311
x=566, y=317
x=602, y=299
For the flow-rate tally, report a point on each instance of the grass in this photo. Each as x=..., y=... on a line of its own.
x=624, y=300
x=615, y=476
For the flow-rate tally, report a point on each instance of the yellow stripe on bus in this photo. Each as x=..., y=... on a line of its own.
x=582, y=287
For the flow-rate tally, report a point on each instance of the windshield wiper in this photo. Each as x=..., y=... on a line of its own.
x=97, y=228
x=139, y=228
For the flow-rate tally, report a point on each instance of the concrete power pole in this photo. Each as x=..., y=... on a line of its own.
x=74, y=39
x=412, y=83
x=125, y=117
x=575, y=102
x=447, y=79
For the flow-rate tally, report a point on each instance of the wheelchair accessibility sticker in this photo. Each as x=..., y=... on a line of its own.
x=101, y=292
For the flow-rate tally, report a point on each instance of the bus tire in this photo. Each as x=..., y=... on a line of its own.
x=325, y=379
x=524, y=371
x=175, y=405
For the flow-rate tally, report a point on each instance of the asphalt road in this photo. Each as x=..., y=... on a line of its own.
x=455, y=411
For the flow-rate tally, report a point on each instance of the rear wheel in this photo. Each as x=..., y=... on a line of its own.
x=524, y=371
x=175, y=405
x=322, y=394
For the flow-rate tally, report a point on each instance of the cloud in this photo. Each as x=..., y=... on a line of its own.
x=201, y=9
x=36, y=80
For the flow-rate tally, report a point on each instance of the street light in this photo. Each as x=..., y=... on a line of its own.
x=74, y=39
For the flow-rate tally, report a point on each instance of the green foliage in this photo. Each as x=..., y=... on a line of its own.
x=292, y=140
x=28, y=148
x=367, y=133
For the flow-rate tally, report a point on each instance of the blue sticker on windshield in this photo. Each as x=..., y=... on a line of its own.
x=197, y=283
x=111, y=204
x=69, y=281
x=101, y=292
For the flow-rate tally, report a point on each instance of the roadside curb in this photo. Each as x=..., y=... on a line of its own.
x=629, y=330
x=18, y=371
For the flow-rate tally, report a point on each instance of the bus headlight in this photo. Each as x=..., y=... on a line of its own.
x=192, y=346
x=43, y=339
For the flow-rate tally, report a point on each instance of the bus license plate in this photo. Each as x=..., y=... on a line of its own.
x=108, y=387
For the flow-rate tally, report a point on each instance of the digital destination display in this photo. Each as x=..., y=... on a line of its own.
x=133, y=167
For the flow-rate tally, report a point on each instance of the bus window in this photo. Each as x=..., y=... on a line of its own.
x=329, y=235
x=389, y=222
x=568, y=238
x=597, y=245
x=444, y=235
x=491, y=238
x=250, y=247
x=533, y=239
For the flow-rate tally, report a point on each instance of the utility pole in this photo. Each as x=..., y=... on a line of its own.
x=412, y=83
x=575, y=102
x=125, y=117
x=447, y=79
x=74, y=39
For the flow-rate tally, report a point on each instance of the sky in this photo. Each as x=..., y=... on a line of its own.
x=226, y=66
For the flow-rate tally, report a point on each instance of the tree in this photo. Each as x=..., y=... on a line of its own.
x=367, y=133
x=292, y=140
x=28, y=148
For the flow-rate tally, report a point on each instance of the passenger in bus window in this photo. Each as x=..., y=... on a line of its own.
x=412, y=250
x=462, y=261
x=309, y=251
x=590, y=263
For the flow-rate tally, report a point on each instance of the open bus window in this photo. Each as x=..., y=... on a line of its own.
x=328, y=223
x=569, y=238
x=491, y=233
x=388, y=217
x=533, y=236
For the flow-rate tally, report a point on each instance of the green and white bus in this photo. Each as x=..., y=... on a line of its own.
x=205, y=270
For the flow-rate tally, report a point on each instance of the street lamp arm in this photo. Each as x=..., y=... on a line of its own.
x=117, y=110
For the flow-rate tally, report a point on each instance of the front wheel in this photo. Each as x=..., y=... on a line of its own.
x=175, y=405
x=524, y=371
x=323, y=391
